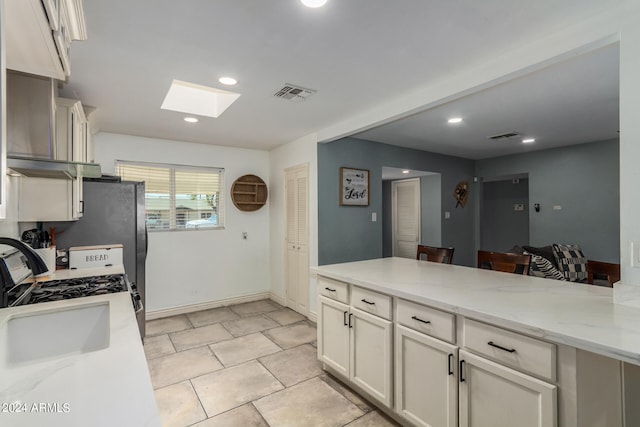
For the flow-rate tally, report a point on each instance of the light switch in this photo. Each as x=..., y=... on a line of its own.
x=447, y=214
x=374, y=217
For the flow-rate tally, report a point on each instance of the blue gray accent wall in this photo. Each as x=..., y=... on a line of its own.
x=584, y=181
x=502, y=226
x=346, y=233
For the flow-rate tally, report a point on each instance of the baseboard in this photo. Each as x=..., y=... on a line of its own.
x=174, y=311
x=313, y=317
x=277, y=298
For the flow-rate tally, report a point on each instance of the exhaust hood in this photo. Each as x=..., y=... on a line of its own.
x=57, y=169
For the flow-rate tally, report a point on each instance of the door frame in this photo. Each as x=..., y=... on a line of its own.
x=394, y=213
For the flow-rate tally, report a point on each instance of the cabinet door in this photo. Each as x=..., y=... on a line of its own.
x=492, y=395
x=371, y=364
x=426, y=379
x=333, y=334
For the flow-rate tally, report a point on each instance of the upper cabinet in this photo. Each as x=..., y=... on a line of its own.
x=39, y=33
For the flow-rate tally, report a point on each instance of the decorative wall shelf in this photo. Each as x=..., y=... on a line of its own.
x=249, y=193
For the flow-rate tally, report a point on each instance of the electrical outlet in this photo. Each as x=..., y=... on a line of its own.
x=635, y=254
x=557, y=207
x=244, y=235
x=374, y=216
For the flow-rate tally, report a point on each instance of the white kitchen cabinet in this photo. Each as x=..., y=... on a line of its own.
x=493, y=395
x=333, y=334
x=358, y=346
x=426, y=381
x=45, y=199
x=71, y=131
x=371, y=355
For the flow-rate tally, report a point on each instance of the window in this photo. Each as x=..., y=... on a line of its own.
x=178, y=197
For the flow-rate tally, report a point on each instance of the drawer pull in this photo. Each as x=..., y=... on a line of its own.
x=510, y=350
x=344, y=317
x=450, y=370
x=330, y=290
x=350, y=324
x=461, y=371
x=367, y=302
x=420, y=320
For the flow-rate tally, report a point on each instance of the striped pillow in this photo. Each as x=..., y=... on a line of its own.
x=541, y=267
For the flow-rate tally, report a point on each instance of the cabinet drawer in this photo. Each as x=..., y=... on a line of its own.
x=427, y=320
x=333, y=289
x=511, y=349
x=371, y=302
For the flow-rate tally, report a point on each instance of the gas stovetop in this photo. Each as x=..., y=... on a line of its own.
x=55, y=290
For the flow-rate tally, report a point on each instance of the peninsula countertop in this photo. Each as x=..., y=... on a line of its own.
x=107, y=387
x=578, y=315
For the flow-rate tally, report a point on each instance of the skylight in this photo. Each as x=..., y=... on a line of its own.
x=191, y=98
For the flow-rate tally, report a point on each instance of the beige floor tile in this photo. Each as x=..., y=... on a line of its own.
x=232, y=387
x=198, y=337
x=249, y=325
x=167, y=325
x=294, y=365
x=311, y=403
x=178, y=405
x=244, y=416
x=373, y=419
x=157, y=346
x=211, y=316
x=243, y=349
x=178, y=367
x=347, y=392
x=255, y=307
x=293, y=335
x=286, y=316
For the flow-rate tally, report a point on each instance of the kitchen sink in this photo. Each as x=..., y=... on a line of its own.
x=49, y=334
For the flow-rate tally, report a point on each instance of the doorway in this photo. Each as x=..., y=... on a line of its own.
x=504, y=213
x=405, y=214
x=297, y=228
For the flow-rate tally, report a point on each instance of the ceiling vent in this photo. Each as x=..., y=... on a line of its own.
x=294, y=93
x=504, y=136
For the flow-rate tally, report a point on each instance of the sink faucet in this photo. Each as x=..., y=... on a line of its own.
x=36, y=264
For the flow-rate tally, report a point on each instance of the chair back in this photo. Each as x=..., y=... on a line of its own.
x=505, y=262
x=434, y=254
x=597, y=270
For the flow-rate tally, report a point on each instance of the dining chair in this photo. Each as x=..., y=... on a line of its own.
x=602, y=272
x=435, y=254
x=505, y=262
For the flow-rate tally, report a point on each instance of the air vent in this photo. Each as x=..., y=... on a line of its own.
x=504, y=136
x=294, y=93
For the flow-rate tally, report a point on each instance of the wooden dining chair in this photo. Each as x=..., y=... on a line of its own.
x=505, y=262
x=602, y=272
x=435, y=254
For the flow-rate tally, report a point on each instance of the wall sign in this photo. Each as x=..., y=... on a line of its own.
x=354, y=187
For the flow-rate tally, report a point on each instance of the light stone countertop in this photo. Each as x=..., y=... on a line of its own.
x=108, y=387
x=578, y=315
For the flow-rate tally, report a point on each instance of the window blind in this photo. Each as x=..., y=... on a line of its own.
x=178, y=197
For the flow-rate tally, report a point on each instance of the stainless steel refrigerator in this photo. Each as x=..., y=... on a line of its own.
x=114, y=212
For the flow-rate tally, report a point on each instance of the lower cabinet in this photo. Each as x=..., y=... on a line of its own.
x=358, y=346
x=494, y=395
x=426, y=379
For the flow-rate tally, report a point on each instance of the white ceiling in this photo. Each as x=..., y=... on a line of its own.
x=356, y=53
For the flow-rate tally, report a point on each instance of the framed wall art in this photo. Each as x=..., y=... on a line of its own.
x=354, y=187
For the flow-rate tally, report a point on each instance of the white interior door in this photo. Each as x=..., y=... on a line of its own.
x=297, y=221
x=405, y=211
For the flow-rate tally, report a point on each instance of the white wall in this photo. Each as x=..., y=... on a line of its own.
x=301, y=151
x=197, y=267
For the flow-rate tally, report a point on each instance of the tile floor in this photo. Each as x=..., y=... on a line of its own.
x=251, y=364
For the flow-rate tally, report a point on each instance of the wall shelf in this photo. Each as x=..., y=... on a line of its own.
x=249, y=193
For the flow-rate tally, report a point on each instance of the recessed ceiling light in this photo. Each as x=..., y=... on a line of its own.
x=455, y=120
x=405, y=171
x=191, y=120
x=528, y=140
x=314, y=3
x=191, y=98
x=229, y=81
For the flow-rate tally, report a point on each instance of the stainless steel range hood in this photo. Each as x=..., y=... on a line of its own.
x=44, y=168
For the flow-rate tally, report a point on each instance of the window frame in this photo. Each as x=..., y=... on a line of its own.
x=173, y=213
